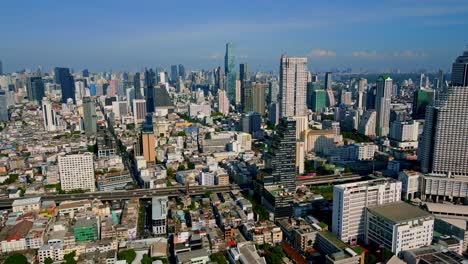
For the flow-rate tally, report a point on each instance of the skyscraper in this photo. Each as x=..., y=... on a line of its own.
x=243, y=78
x=85, y=73
x=422, y=98
x=35, y=89
x=137, y=86
x=328, y=80
x=90, y=117
x=149, y=91
x=182, y=72
x=223, y=102
x=460, y=70
x=318, y=100
x=293, y=86
x=280, y=160
x=147, y=139
x=219, y=78
x=1, y=67
x=174, y=74
x=444, y=148
x=254, y=98
x=3, y=107
x=139, y=110
x=440, y=80
x=251, y=123
x=49, y=115
x=361, y=103
x=273, y=92
x=382, y=105
x=230, y=71
x=63, y=77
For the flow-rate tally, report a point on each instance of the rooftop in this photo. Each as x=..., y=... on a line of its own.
x=399, y=212
x=27, y=201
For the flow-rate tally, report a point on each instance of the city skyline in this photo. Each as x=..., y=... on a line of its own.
x=377, y=36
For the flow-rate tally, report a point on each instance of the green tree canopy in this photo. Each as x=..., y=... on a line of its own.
x=127, y=255
x=16, y=258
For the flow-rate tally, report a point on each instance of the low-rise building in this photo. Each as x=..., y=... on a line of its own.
x=399, y=226
x=26, y=205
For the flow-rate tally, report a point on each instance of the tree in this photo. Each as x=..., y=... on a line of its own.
x=170, y=172
x=191, y=165
x=386, y=254
x=370, y=259
x=16, y=258
x=218, y=257
x=146, y=259
x=48, y=261
x=275, y=255
x=192, y=206
x=127, y=255
x=181, y=167
x=70, y=258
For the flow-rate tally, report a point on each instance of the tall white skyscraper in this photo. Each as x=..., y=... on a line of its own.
x=382, y=105
x=444, y=147
x=293, y=86
x=350, y=201
x=49, y=115
x=362, y=87
x=77, y=172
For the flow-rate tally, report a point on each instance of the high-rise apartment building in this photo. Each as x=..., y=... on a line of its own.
x=280, y=159
x=63, y=77
x=3, y=107
x=49, y=115
x=382, y=105
x=89, y=116
x=223, y=102
x=77, y=172
x=254, y=98
x=230, y=71
x=444, y=148
x=460, y=70
x=139, y=110
x=273, y=92
x=350, y=201
x=328, y=80
x=147, y=140
x=293, y=86
x=360, y=101
x=35, y=89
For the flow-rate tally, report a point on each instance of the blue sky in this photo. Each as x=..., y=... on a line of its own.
x=128, y=35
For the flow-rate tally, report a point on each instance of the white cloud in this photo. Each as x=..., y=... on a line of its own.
x=407, y=54
x=216, y=56
x=321, y=53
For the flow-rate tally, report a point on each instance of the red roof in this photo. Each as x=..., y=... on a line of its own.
x=20, y=231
